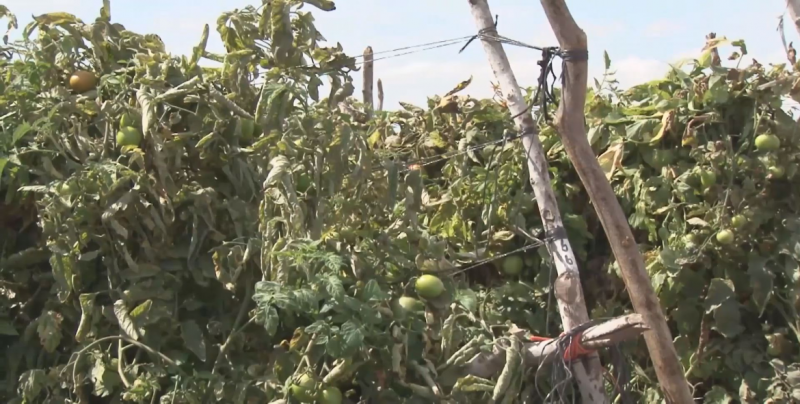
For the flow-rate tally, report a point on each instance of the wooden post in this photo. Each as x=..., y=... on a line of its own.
x=368, y=79
x=603, y=335
x=568, y=291
x=570, y=124
x=794, y=13
x=380, y=95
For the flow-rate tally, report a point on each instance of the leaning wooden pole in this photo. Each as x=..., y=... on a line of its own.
x=794, y=13
x=568, y=291
x=570, y=124
x=380, y=95
x=369, y=74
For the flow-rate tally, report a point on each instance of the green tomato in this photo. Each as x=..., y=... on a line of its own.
x=512, y=265
x=129, y=136
x=690, y=238
x=405, y=306
x=738, y=221
x=767, y=142
x=331, y=395
x=409, y=303
x=429, y=286
x=708, y=178
x=127, y=119
x=65, y=189
x=303, y=389
x=725, y=237
x=248, y=128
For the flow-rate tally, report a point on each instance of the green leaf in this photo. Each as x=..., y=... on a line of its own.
x=7, y=328
x=434, y=139
x=126, y=323
x=281, y=30
x=606, y=60
x=3, y=162
x=373, y=292
x=142, y=309
x=20, y=131
x=705, y=58
x=719, y=291
x=268, y=317
x=717, y=395
x=761, y=281
x=728, y=319
x=193, y=339
x=687, y=315
x=467, y=298
x=352, y=336
x=741, y=45
x=31, y=383
x=200, y=49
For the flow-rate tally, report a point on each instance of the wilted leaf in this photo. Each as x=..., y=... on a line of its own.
x=49, y=330
x=610, y=160
x=324, y=5
x=126, y=324
x=458, y=88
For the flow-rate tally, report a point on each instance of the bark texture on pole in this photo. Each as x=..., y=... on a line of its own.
x=607, y=334
x=794, y=13
x=368, y=78
x=570, y=123
x=568, y=291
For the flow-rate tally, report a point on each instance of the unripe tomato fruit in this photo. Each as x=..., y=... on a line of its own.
x=725, y=237
x=767, y=142
x=331, y=395
x=303, y=389
x=708, y=178
x=248, y=128
x=512, y=265
x=129, y=136
x=82, y=81
x=126, y=120
x=738, y=221
x=429, y=286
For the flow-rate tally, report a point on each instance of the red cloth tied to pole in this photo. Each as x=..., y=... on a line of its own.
x=573, y=351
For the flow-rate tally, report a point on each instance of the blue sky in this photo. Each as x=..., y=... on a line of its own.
x=640, y=36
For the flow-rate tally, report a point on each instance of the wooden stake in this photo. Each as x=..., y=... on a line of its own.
x=368, y=79
x=570, y=123
x=568, y=291
x=380, y=95
x=794, y=13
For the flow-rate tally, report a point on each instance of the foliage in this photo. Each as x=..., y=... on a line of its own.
x=208, y=265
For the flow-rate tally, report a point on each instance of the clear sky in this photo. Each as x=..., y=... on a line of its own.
x=641, y=36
